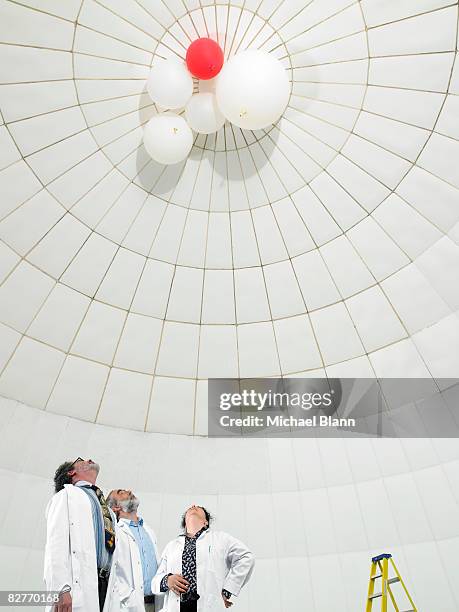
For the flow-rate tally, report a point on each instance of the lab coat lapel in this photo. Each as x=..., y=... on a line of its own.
x=124, y=527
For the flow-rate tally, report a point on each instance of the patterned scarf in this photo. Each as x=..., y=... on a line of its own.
x=108, y=522
x=189, y=569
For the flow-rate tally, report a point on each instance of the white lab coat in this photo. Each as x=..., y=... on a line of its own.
x=129, y=569
x=70, y=553
x=222, y=562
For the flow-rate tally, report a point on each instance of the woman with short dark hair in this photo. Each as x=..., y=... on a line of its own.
x=202, y=568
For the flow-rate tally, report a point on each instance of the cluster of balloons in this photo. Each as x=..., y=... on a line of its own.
x=250, y=90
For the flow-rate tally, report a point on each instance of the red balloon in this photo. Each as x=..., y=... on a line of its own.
x=204, y=58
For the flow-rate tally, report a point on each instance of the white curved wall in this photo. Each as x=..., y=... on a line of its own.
x=314, y=513
x=328, y=245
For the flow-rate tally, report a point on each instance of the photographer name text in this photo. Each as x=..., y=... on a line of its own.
x=279, y=421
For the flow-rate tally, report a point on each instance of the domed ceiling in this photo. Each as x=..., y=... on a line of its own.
x=325, y=245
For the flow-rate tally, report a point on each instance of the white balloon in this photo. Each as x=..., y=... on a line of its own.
x=168, y=138
x=170, y=84
x=253, y=89
x=203, y=114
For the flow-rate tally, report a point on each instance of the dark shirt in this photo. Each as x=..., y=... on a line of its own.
x=189, y=564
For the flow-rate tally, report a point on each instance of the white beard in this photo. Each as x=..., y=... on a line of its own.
x=129, y=505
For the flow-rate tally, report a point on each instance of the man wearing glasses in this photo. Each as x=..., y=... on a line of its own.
x=80, y=542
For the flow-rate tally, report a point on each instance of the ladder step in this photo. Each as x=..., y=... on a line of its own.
x=390, y=581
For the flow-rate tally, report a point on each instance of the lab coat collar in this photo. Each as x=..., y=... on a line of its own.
x=123, y=524
x=129, y=522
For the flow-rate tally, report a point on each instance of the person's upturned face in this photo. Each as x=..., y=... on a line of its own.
x=82, y=468
x=125, y=500
x=195, y=512
x=123, y=494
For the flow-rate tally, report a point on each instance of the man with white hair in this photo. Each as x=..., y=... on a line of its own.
x=80, y=542
x=137, y=554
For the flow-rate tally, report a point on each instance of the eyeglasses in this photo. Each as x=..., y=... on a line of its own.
x=78, y=459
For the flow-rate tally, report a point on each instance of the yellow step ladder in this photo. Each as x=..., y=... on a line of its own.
x=380, y=569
